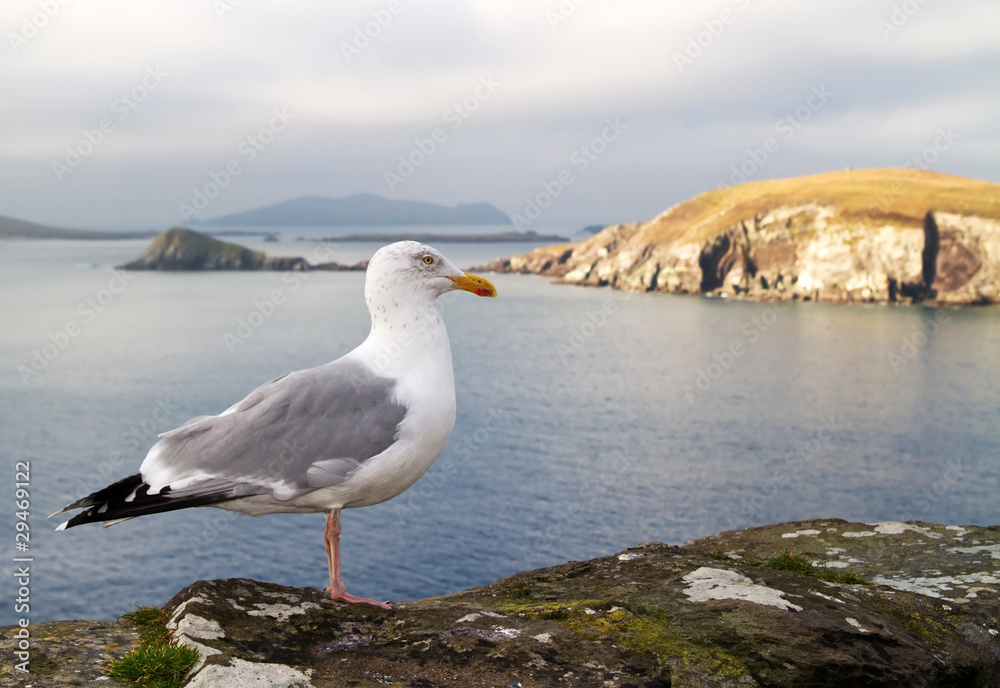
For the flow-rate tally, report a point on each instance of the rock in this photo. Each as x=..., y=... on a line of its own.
x=858, y=236
x=362, y=266
x=183, y=249
x=713, y=612
x=67, y=653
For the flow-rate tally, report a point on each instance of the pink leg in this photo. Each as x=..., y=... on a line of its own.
x=337, y=590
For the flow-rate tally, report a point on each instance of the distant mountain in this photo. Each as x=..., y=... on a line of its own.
x=363, y=209
x=428, y=238
x=12, y=228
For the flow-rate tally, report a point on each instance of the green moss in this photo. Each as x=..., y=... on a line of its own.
x=516, y=589
x=915, y=626
x=789, y=561
x=157, y=662
x=609, y=626
x=655, y=635
x=649, y=634
x=550, y=611
x=926, y=629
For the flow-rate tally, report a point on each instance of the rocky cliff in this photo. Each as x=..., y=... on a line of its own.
x=895, y=235
x=813, y=603
x=184, y=249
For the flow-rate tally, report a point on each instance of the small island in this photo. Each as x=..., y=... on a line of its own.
x=183, y=249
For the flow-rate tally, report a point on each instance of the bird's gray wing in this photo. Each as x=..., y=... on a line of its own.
x=297, y=433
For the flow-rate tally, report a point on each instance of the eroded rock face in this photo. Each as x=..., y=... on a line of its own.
x=708, y=613
x=812, y=239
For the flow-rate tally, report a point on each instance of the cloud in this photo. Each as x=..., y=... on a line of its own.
x=562, y=66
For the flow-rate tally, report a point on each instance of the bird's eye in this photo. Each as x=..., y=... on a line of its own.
x=429, y=260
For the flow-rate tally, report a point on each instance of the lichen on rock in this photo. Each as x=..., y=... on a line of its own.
x=654, y=615
x=709, y=613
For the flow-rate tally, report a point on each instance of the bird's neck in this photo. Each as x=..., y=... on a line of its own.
x=407, y=335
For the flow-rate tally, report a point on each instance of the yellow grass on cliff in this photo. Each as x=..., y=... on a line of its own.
x=900, y=196
x=872, y=197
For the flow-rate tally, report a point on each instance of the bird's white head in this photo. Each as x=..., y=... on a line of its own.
x=409, y=270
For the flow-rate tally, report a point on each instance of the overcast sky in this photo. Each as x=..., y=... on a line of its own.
x=620, y=108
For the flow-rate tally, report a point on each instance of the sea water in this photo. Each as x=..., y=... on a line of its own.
x=589, y=420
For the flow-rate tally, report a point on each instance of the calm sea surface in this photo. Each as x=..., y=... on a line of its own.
x=588, y=421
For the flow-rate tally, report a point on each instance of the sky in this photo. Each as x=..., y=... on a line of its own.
x=152, y=114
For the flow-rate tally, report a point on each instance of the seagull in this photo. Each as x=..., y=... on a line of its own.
x=351, y=433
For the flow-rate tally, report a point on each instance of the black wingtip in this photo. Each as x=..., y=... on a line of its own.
x=121, y=489
x=130, y=497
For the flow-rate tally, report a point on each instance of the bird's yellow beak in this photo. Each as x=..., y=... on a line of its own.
x=477, y=285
